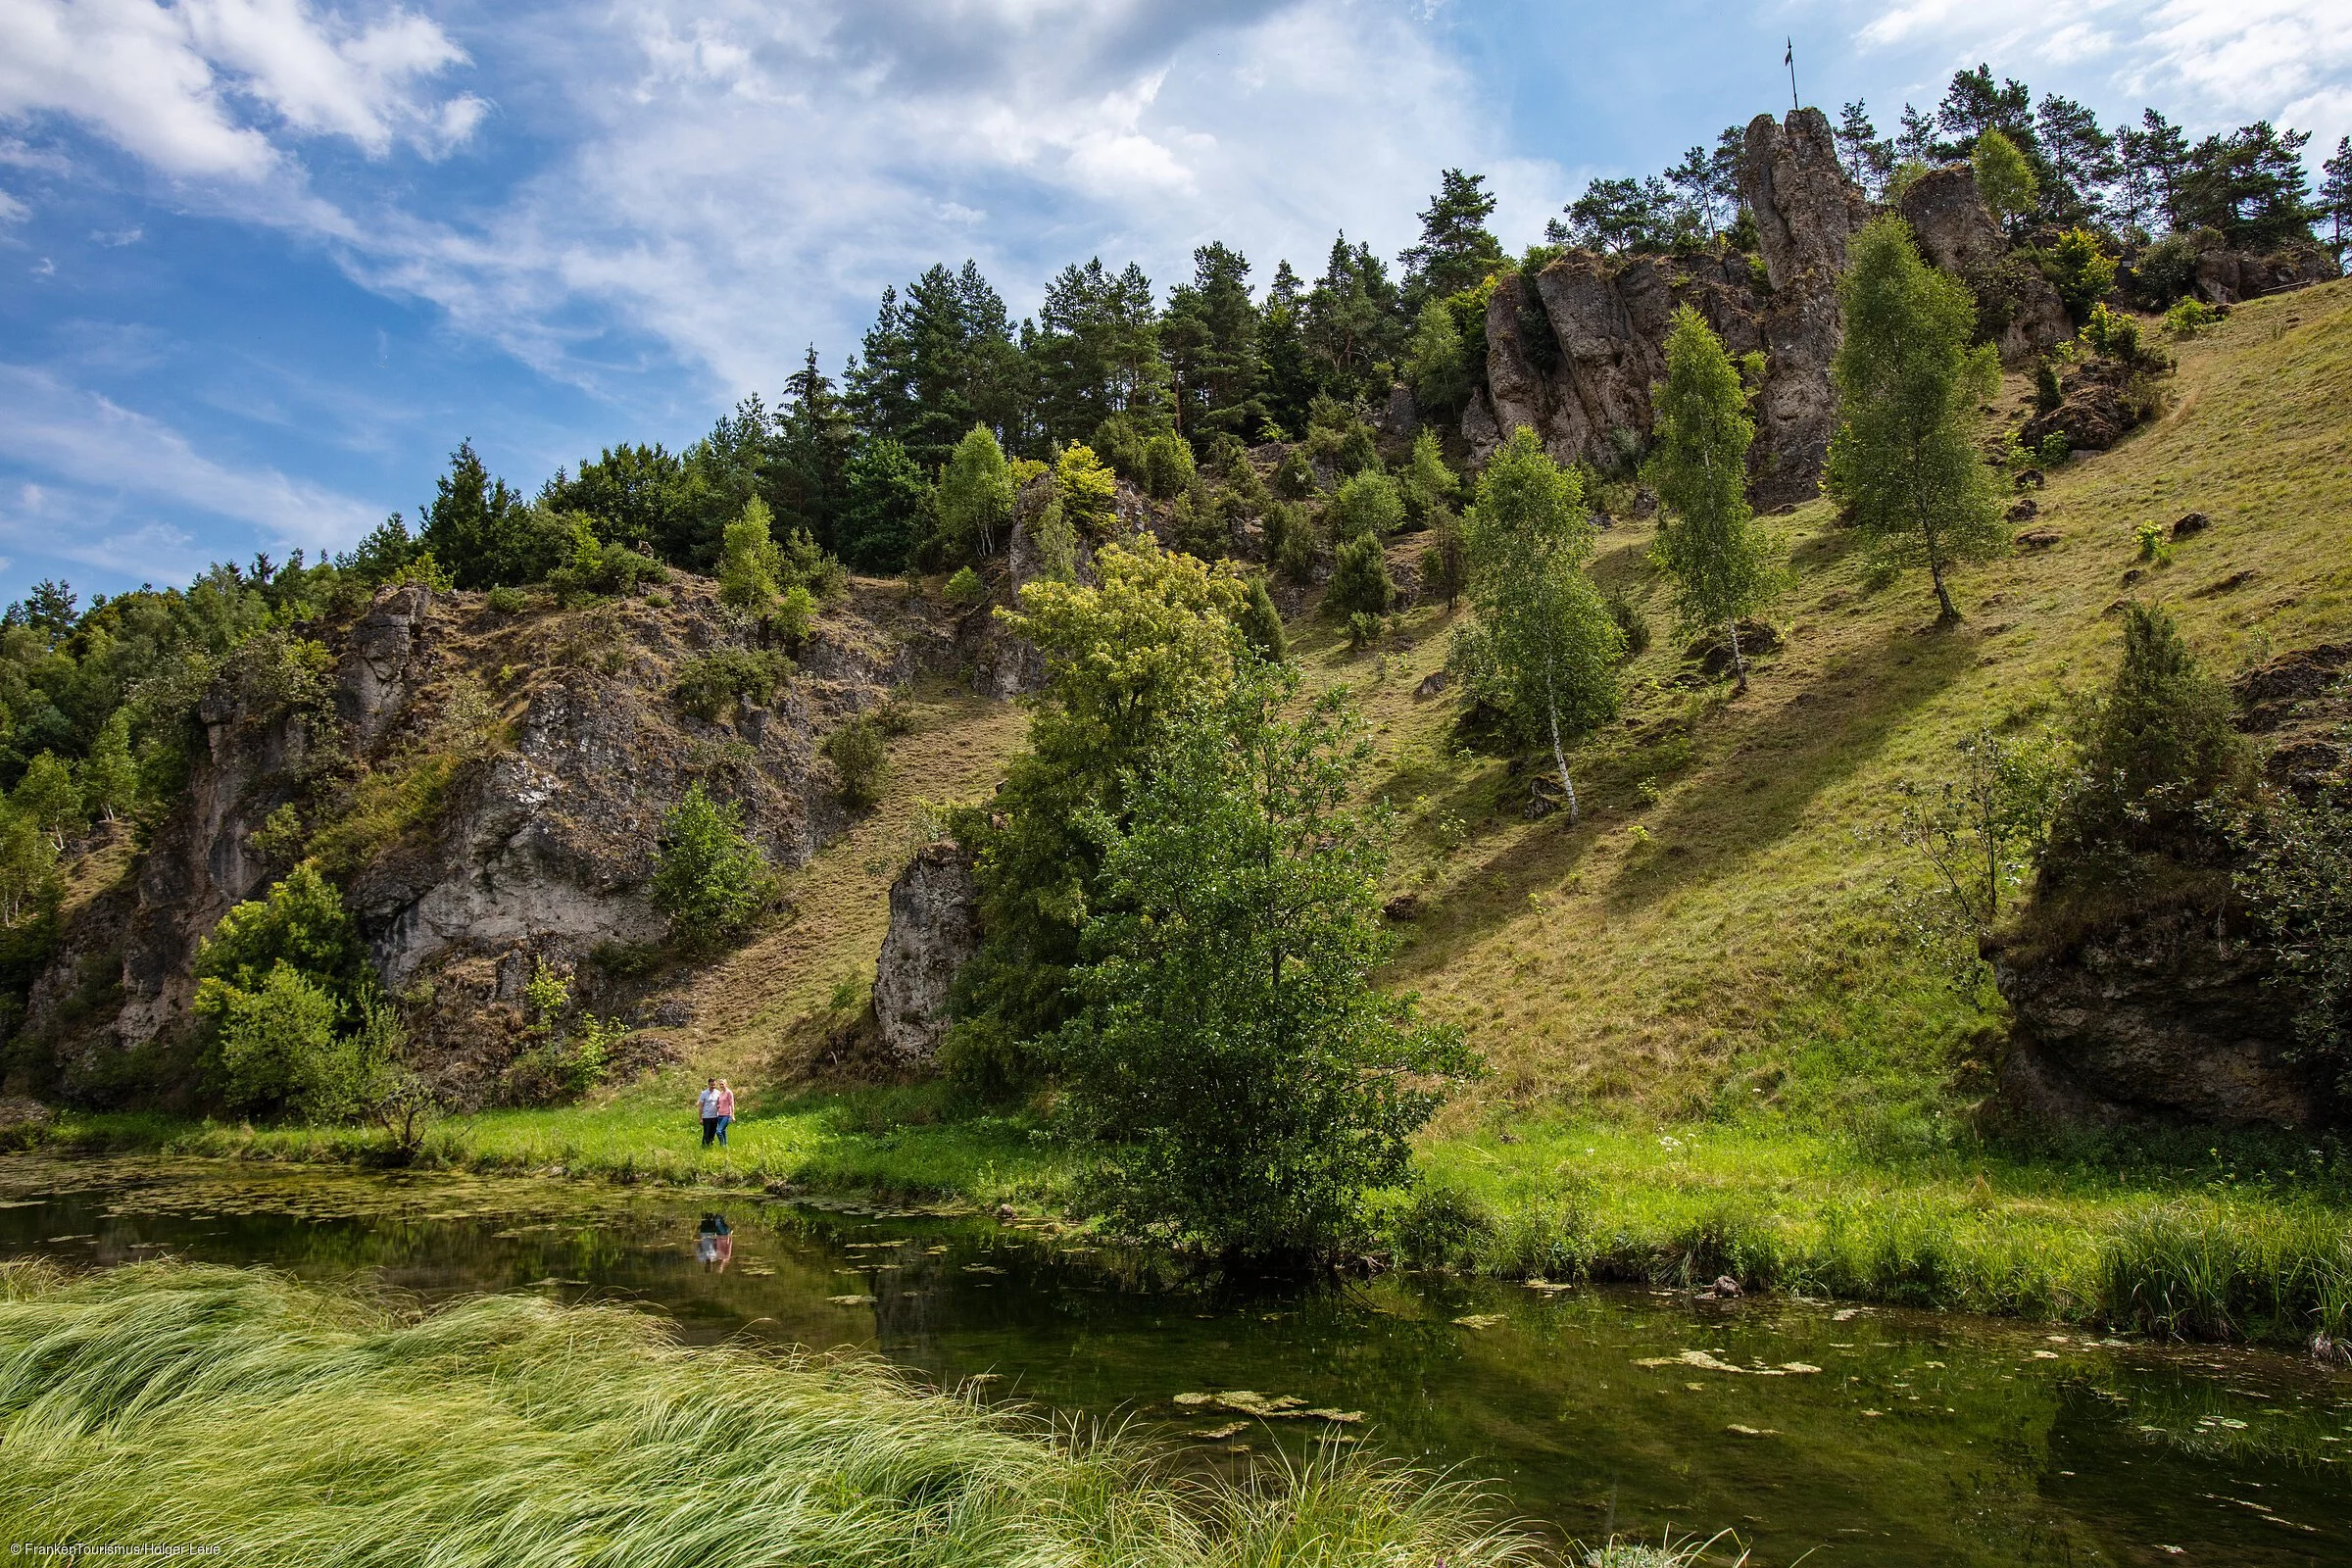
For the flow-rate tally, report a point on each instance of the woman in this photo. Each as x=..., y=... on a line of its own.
x=726, y=1111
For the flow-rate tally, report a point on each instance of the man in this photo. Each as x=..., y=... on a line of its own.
x=710, y=1111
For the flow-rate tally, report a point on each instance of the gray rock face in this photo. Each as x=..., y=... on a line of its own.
x=2166, y=1018
x=2228, y=277
x=1957, y=233
x=1806, y=211
x=934, y=930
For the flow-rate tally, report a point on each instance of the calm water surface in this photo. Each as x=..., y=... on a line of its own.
x=1860, y=1435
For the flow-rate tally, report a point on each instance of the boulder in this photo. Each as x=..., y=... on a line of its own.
x=1947, y=214
x=1806, y=211
x=2229, y=277
x=934, y=930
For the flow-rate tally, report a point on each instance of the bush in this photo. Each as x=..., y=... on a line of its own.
x=1168, y=467
x=1291, y=542
x=2154, y=545
x=2112, y=333
x=2055, y=448
x=860, y=755
x=1120, y=442
x=1629, y=621
x=592, y=568
x=274, y=1044
x=1294, y=476
x=2047, y=393
x=710, y=876
x=1261, y=623
x=1087, y=490
x=789, y=622
x=708, y=684
x=2297, y=877
x=2189, y=316
x=504, y=600
x=1364, y=629
x=965, y=590
x=1367, y=505
x=1359, y=579
x=300, y=923
x=2167, y=270
x=2080, y=269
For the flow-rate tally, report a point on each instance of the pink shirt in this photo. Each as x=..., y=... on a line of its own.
x=726, y=1102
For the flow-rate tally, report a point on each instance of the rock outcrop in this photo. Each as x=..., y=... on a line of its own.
x=934, y=930
x=1805, y=210
x=2231, y=277
x=2017, y=306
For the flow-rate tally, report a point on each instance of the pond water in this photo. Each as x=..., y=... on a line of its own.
x=1860, y=1435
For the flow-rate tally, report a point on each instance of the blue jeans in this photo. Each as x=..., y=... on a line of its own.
x=723, y=1130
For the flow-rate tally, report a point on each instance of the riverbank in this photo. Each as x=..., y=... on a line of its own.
x=235, y=1408
x=2210, y=1236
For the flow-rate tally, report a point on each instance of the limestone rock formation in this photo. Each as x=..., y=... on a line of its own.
x=1806, y=211
x=2229, y=277
x=1957, y=233
x=934, y=930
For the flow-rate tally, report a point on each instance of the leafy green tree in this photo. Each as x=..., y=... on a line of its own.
x=1087, y=490
x=1721, y=563
x=2296, y=876
x=646, y=498
x=1544, y=647
x=300, y=921
x=1429, y=484
x=1623, y=214
x=888, y=499
x=975, y=496
x=1360, y=584
x=275, y=1043
x=2081, y=158
x=1456, y=251
x=28, y=867
x=1156, y=637
x=1168, y=467
x=2004, y=179
x=1254, y=1079
x=747, y=563
x=711, y=877
x=48, y=797
x=1437, y=360
x=110, y=774
x=1905, y=458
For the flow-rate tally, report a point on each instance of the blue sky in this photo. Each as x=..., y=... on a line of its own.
x=262, y=262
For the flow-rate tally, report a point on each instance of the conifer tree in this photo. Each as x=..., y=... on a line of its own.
x=1708, y=543
x=1905, y=458
x=747, y=563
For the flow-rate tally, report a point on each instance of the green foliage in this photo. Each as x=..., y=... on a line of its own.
x=1445, y=563
x=1294, y=476
x=2081, y=270
x=2162, y=743
x=860, y=755
x=1905, y=458
x=1057, y=542
x=1722, y=565
x=48, y=798
x=888, y=503
x=300, y=922
x=1119, y=442
x=1366, y=505
x=964, y=590
x=275, y=1043
x=1979, y=829
x=1631, y=624
x=709, y=685
x=504, y=600
x=1439, y=363
x=1361, y=583
x=2189, y=316
x=747, y=564
x=591, y=568
x=2054, y=450
x=795, y=612
x=545, y=995
x=1261, y=623
x=1087, y=490
x=28, y=868
x=1235, y=1051
x=2155, y=543
x=2004, y=179
x=2296, y=876
x=711, y=877
x=975, y=496
x=1544, y=649
x=2112, y=333
x=1168, y=467
x=1428, y=485
x=1155, y=639
x=1338, y=436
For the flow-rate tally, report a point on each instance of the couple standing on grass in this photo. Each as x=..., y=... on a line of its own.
x=718, y=1109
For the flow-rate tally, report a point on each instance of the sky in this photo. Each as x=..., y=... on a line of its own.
x=265, y=263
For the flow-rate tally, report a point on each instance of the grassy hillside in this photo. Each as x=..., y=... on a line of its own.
x=1715, y=1042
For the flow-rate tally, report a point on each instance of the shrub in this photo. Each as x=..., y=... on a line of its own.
x=2297, y=877
x=1261, y=623
x=1359, y=578
x=2189, y=316
x=2081, y=270
x=2167, y=270
x=2047, y=393
x=708, y=684
x=2055, y=448
x=1087, y=490
x=300, y=923
x=710, y=876
x=1629, y=621
x=1294, y=476
x=1367, y=505
x=748, y=561
x=2154, y=545
x=789, y=622
x=965, y=590
x=506, y=601
x=591, y=568
x=2112, y=333
x=860, y=755
x=1168, y=467
x=1364, y=629
x=1120, y=442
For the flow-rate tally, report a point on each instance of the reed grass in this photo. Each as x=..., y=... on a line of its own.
x=171, y=1404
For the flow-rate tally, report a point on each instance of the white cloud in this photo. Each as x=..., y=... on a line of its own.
x=2211, y=63
x=12, y=211
x=102, y=464
x=198, y=88
x=744, y=178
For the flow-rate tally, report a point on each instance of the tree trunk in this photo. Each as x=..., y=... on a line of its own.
x=1948, y=613
x=1560, y=756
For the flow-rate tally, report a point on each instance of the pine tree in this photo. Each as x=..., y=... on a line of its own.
x=2155, y=161
x=1544, y=648
x=2336, y=194
x=815, y=439
x=1456, y=251
x=1722, y=564
x=471, y=525
x=1904, y=457
x=1209, y=336
x=1290, y=381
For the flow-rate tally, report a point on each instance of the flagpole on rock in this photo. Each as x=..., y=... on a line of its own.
x=1789, y=60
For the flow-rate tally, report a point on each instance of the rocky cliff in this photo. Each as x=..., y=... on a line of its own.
x=487, y=788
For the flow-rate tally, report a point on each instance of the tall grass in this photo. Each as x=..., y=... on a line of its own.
x=163, y=1403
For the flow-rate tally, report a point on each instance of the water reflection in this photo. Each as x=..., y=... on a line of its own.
x=1864, y=1437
